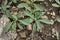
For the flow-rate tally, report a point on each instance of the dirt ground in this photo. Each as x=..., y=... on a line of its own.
x=48, y=32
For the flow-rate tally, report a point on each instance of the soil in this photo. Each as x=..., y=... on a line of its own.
x=48, y=32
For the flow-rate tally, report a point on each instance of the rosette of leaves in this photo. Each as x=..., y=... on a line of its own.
x=14, y=23
x=33, y=16
x=57, y=4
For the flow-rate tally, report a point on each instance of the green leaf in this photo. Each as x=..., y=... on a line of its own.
x=57, y=35
x=29, y=14
x=39, y=14
x=14, y=1
x=58, y=19
x=8, y=13
x=55, y=5
x=9, y=3
x=14, y=17
x=58, y=1
x=34, y=27
x=32, y=0
x=39, y=0
x=20, y=27
x=38, y=7
x=5, y=11
x=4, y=7
x=14, y=25
x=20, y=15
x=24, y=5
x=7, y=27
x=39, y=27
x=46, y=21
x=26, y=21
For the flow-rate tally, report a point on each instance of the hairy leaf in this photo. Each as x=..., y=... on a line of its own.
x=55, y=5
x=4, y=7
x=14, y=25
x=34, y=27
x=39, y=14
x=14, y=17
x=39, y=27
x=20, y=27
x=24, y=5
x=58, y=1
x=46, y=21
x=58, y=19
x=29, y=14
x=19, y=15
x=26, y=21
x=8, y=13
x=38, y=7
x=7, y=27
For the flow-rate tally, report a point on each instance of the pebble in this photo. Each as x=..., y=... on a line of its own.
x=29, y=27
x=44, y=17
x=53, y=31
x=53, y=13
x=48, y=12
x=52, y=22
x=1, y=22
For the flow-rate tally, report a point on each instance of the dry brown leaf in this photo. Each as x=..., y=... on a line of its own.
x=23, y=34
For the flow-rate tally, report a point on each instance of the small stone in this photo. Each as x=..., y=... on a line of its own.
x=48, y=12
x=29, y=27
x=15, y=13
x=18, y=30
x=53, y=13
x=53, y=36
x=53, y=17
x=53, y=31
x=45, y=2
x=44, y=17
x=1, y=21
x=13, y=7
x=52, y=22
x=41, y=30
